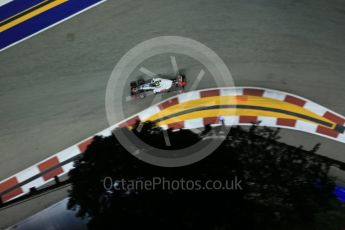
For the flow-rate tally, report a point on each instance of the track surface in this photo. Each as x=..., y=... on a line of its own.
x=53, y=85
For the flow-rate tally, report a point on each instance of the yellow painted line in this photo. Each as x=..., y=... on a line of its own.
x=31, y=14
x=207, y=101
x=25, y=10
x=227, y=112
x=239, y=100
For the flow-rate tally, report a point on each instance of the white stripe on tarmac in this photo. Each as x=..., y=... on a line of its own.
x=174, y=64
x=147, y=72
x=4, y=2
x=197, y=80
x=166, y=138
x=52, y=25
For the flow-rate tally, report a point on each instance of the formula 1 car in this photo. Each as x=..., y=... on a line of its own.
x=157, y=85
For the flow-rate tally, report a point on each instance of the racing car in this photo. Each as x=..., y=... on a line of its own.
x=157, y=85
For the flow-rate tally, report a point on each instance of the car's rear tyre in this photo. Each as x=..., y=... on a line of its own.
x=141, y=81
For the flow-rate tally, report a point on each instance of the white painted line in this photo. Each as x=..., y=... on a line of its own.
x=267, y=121
x=194, y=123
x=231, y=92
x=164, y=127
x=231, y=120
x=52, y=25
x=67, y=167
x=4, y=2
x=196, y=131
x=166, y=138
x=148, y=113
x=341, y=137
x=197, y=80
x=174, y=64
x=27, y=173
x=35, y=183
x=306, y=126
x=315, y=108
x=274, y=95
x=189, y=96
x=147, y=72
x=106, y=132
x=68, y=153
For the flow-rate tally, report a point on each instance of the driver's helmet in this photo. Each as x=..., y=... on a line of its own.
x=155, y=82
